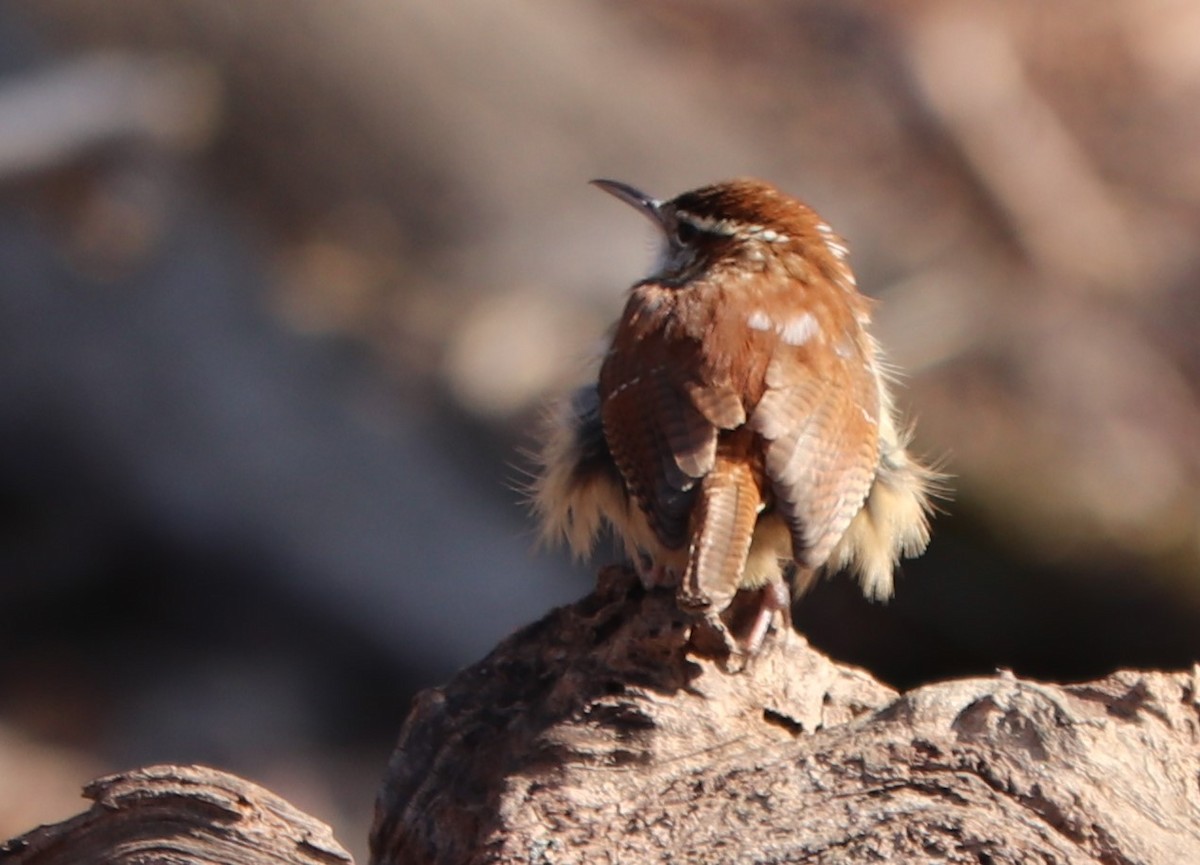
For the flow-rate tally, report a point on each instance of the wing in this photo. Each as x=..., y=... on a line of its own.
x=660, y=442
x=819, y=420
x=661, y=415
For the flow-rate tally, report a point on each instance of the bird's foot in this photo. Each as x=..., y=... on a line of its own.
x=772, y=598
x=738, y=635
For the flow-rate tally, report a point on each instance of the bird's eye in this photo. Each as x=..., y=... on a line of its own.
x=685, y=233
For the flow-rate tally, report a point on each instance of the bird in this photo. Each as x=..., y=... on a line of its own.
x=741, y=437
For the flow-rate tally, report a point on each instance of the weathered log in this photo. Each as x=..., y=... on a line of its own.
x=594, y=735
x=183, y=815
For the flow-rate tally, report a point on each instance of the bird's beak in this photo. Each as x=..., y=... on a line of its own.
x=643, y=203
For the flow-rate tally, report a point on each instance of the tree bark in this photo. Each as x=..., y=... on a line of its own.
x=603, y=734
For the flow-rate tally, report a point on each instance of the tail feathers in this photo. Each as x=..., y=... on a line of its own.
x=722, y=528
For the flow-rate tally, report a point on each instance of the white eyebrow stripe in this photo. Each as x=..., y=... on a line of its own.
x=705, y=223
x=730, y=227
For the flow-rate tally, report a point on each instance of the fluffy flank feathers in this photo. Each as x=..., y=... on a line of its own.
x=894, y=520
x=575, y=490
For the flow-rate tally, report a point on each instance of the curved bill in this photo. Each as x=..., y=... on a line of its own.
x=643, y=203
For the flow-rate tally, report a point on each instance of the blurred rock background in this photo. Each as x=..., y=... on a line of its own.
x=283, y=286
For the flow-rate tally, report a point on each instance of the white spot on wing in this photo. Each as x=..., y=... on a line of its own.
x=625, y=385
x=759, y=320
x=834, y=243
x=799, y=330
x=637, y=379
x=839, y=250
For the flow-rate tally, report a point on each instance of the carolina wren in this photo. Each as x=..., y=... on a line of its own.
x=741, y=432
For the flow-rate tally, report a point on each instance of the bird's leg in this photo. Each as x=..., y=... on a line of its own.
x=772, y=598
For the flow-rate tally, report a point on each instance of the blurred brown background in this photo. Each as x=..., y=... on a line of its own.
x=284, y=284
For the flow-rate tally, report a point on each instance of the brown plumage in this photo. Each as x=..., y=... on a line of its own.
x=741, y=421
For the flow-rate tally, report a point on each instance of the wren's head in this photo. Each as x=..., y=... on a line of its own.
x=738, y=222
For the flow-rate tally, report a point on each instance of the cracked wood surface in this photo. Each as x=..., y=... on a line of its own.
x=595, y=736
